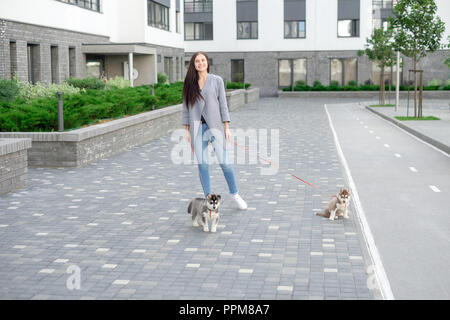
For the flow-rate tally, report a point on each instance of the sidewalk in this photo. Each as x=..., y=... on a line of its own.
x=123, y=223
x=435, y=132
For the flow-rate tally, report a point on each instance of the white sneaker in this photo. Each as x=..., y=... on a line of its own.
x=240, y=202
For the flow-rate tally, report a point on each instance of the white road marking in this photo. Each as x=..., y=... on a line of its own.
x=398, y=155
x=413, y=169
x=379, y=271
x=435, y=189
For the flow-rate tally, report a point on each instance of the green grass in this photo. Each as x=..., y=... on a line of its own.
x=382, y=105
x=413, y=118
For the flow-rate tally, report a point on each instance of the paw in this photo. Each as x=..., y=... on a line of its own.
x=213, y=229
x=195, y=224
x=205, y=229
x=346, y=217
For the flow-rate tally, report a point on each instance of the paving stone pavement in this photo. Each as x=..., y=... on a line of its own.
x=123, y=223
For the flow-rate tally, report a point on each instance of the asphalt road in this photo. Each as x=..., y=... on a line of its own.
x=404, y=189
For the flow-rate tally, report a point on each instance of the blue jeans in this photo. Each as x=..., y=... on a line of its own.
x=201, y=152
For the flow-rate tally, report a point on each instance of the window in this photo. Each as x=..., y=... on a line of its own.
x=13, y=59
x=247, y=19
x=237, y=70
x=33, y=57
x=54, y=63
x=294, y=29
x=348, y=28
x=376, y=73
x=87, y=4
x=290, y=71
x=383, y=4
x=158, y=15
x=94, y=66
x=294, y=19
x=343, y=70
x=72, y=62
x=348, y=18
x=198, y=31
x=247, y=30
x=168, y=68
x=191, y=6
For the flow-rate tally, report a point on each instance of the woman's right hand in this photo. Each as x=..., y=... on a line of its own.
x=187, y=136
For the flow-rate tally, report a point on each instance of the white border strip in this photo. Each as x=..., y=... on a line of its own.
x=380, y=273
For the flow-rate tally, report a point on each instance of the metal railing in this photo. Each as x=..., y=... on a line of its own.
x=383, y=4
x=197, y=6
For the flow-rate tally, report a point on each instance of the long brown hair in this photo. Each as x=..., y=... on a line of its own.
x=191, y=90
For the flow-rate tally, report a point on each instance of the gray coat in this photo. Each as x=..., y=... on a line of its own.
x=214, y=109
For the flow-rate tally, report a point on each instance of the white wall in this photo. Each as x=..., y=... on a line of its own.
x=55, y=14
x=444, y=13
x=127, y=20
x=321, y=28
x=163, y=37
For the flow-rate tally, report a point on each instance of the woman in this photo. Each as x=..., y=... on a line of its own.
x=205, y=115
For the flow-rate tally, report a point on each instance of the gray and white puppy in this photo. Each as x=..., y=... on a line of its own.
x=207, y=210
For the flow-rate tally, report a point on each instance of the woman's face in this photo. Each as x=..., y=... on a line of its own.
x=200, y=62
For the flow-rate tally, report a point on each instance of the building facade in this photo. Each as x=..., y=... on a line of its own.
x=272, y=44
x=269, y=43
x=52, y=40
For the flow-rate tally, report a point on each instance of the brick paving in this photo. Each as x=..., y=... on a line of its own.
x=123, y=223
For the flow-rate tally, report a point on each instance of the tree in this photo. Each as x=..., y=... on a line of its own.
x=379, y=49
x=418, y=30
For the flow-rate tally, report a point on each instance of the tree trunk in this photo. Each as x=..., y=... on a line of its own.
x=382, y=89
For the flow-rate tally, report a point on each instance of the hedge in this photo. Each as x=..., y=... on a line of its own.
x=85, y=108
x=353, y=86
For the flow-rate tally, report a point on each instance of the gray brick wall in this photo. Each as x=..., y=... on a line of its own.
x=44, y=37
x=13, y=164
x=261, y=68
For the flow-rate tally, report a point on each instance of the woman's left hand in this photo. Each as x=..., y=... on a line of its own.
x=228, y=134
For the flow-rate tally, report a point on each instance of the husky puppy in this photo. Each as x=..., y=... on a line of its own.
x=338, y=206
x=207, y=210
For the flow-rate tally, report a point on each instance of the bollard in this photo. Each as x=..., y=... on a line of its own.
x=60, y=113
x=152, y=93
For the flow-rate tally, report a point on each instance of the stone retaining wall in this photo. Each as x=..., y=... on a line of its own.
x=251, y=95
x=13, y=164
x=235, y=99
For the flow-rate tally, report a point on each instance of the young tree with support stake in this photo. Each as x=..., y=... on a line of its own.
x=418, y=30
x=379, y=49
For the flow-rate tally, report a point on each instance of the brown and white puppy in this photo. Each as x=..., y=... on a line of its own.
x=338, y=206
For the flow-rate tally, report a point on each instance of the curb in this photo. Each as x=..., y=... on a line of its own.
x=418, y=134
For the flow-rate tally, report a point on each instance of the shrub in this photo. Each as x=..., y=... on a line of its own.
x=9, y=89
x=29, y=91
x=447, y=85
x=237, y=85
x=117, y=83
x=85, y=107
x=434, y=82
x=163, y=78
x=318, y=86
x=352, y=83
x=317, y=83
x=87, y=83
